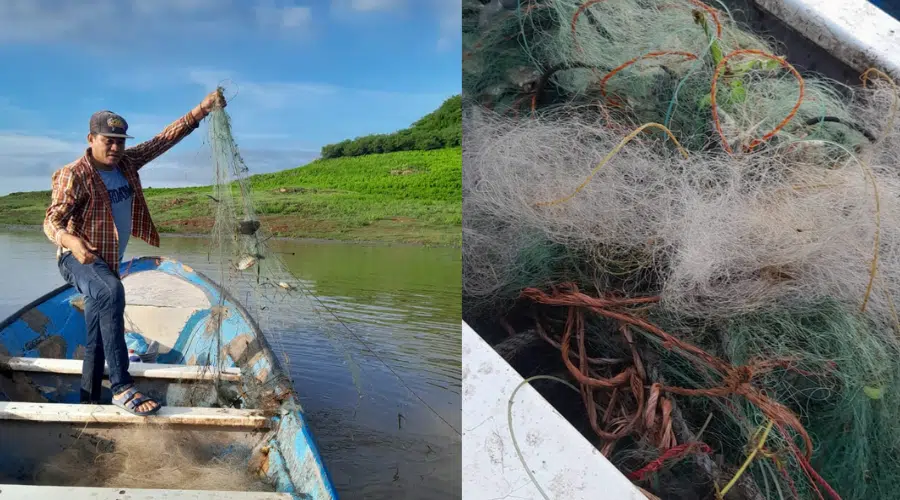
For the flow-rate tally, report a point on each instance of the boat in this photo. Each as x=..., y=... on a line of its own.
x=172, y=315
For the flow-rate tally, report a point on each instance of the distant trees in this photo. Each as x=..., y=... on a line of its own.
x=441, y=128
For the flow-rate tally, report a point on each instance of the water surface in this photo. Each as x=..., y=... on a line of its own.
x=377, y=437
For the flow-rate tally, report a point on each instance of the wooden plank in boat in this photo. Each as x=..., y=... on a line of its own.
x=145, y=370
x=108, y=414
x=22, y=492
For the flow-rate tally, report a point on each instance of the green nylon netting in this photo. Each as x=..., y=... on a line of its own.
x=761, y=254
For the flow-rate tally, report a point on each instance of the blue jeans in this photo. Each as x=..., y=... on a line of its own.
x=104, y=314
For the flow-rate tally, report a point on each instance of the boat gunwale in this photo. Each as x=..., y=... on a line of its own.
x=12, y=318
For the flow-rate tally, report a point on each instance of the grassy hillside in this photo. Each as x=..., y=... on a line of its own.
x=410, y=197
x=24, y=208
x=441, y=128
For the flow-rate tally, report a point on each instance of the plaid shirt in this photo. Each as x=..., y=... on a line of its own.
x=80, y=203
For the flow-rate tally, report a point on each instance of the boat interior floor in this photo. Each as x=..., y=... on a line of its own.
x=35, y=430
x=20, y=492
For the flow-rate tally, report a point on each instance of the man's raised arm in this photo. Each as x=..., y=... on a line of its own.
x=149, y=150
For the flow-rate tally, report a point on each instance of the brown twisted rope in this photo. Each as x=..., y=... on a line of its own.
x=626, y=411
x=735, y=380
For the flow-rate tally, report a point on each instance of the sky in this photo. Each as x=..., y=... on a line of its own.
x=297, y=75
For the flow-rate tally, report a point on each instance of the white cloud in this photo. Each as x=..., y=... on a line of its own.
x=26, y=145
x=366, y=5
x=154, y=7
x=449, y=22
x=143, y=22
x=275, y=95
x=195, y=167
x=30, y=20
x=291, y=18
x=21, y=117
x=295, y=17
x=28, y=161
x=446, y=14
x=264, y=95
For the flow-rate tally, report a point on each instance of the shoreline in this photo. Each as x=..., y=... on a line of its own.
x=405, y=198
x=27, y=228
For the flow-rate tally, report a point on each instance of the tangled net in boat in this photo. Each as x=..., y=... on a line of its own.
x=709, y=237
x=154, y=457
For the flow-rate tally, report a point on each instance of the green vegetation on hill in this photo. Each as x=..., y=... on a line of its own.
x=24, y=209
x=441, y=128
x=408, y=197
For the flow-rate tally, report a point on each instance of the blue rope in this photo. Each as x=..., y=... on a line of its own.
x=674, y=100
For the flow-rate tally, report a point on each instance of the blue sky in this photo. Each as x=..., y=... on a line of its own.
x=300, y=74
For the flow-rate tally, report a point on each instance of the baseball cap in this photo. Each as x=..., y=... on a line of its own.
x=109, y=124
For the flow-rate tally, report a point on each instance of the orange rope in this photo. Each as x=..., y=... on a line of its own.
x=581, y=8
x=687, y=55
x=712, y=13
x=781, y=125
x=636, y=414
x=737, y=380
x=895, y=101
x=676, y=453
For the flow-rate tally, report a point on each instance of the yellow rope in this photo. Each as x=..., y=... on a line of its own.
x=895, y=102
x=868, y=174
x=609, y=156
x=877, y=243
x=759, y=445
x=895, y=105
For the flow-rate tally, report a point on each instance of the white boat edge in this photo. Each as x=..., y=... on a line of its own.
x=856, y=32
x=563, y=462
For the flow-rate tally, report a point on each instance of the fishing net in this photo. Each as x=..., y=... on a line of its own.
x=706, y=235
x=253, y=273
x=648, y=61
x=154, y=457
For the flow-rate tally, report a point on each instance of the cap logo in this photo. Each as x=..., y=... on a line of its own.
x=115, y=122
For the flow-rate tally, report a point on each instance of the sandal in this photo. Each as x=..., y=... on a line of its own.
x=130, y=402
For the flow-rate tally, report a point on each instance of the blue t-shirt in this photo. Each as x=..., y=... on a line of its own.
x=120, y=196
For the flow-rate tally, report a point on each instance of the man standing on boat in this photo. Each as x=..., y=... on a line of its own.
x=97, y=203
